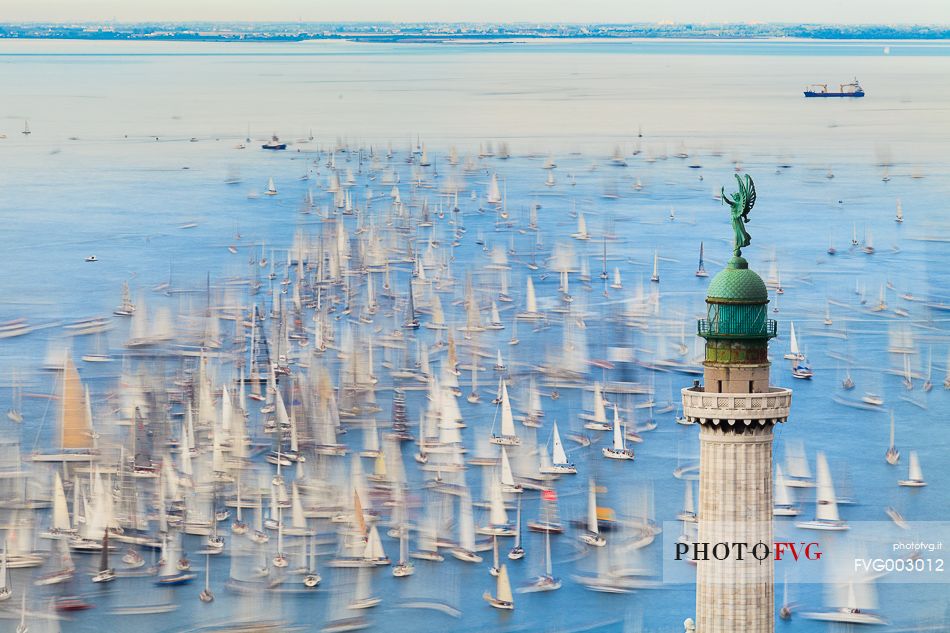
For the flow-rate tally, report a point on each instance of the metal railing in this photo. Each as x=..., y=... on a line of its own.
x=766, y=328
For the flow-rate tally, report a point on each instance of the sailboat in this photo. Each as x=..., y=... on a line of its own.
x=592, y=536
x=847, y=383
x=531, y=303
x=619, y=449
x=5, y=590
x=339, y=612
x=495, y=321
x=498, y=518
x=546, y=581
x=26, y=128
x=559, y=462
x=495, y=569
x=206, y=594
x=504, y=599
x=802, y=369
x=689, y=507
x=868, y=242
x=517, y=552
x=783, y=504
x=617, y=283
x=364, y=595
x=22, y=626
x=412, y=321
x=794, y=353
x=581, y=233
x=465, y=551
x=494, y=193
x=404, y=567
x=853, y=610
x=507, y=479
x=106, y=573
x=508, y=436
x=173, y=570
x=597, y=421
x=892, y=455
x=786, y=611
x=66, y=570
x=15, y=412
x=655, y=277
x=928, y=382
x=75, y=420
x=701, y=270
x=899, y=215
x=915, y=477
x=271, y=188
x=312, y=578
x=826, y=509
x=514, y=340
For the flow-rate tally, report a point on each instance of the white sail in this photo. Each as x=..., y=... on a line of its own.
x=581, y=225
x=495, y=316
x=534, y=398
x=592, y=523
x=783, y=496
x=297, y=519
x=827, y=503
x=507, y=476
x=600, y=412
x=494, y=193
x=60, y=520
x=531, y=298
x=4, y=585
x=497, y=504
x=507, y=419
x=559, y=456
x=891, y=446
x=504, y=586
x=914, y=471
x=371, y=437
x=618, y=432
x=374, y=546
x=796, y=461
x=466, y=522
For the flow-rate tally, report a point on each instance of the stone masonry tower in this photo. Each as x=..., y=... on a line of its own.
x=736, y=409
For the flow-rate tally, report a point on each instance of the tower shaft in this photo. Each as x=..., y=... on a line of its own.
x=735, y=409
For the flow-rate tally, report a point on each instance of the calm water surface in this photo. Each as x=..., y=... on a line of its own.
x=109, y=170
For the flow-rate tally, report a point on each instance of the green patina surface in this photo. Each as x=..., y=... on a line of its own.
x=737, y=298
x=736, y=283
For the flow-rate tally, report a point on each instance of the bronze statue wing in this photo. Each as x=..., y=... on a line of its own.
x=750, y=196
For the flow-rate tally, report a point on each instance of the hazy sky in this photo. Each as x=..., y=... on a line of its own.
x=842, y=11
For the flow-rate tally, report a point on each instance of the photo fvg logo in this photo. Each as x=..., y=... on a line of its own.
x=743, y=551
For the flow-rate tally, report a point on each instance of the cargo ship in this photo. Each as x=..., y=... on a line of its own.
x=274, y=144
x=852, y=89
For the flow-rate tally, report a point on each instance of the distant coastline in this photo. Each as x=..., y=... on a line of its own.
x=458, y=32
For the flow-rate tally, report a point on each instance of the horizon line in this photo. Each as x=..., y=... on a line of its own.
x=484, y=23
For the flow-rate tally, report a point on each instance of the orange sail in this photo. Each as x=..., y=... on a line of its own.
x=75, y=427
x=358, y=511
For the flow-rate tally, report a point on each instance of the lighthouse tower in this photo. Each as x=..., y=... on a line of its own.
x=736, y=409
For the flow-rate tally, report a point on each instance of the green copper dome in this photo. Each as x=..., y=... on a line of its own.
x=736, y=283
